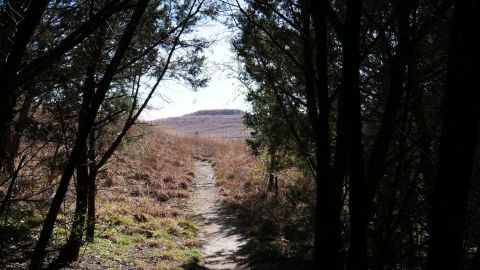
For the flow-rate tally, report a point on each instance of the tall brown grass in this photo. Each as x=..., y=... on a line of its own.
x=146, y=185
x=282, y=216
x=153, y=173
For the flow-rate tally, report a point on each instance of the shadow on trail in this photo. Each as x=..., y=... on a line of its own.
x=227, y=236
x=265, y=252
x=253, y=252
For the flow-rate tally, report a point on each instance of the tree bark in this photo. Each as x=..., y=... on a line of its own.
x=349, y=106
x=458, y=140
x=271, y=168
x=71, y=250
x=328, y=191
x=45, y=234
x=326, y=240
x=9, y=70
x=378, y=159
x=8, y=195
x=92, y=188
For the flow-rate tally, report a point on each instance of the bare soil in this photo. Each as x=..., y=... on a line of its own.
x=218, y=228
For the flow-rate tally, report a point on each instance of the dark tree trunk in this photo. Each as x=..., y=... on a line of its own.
x=318, y=105
x=71, y=250
x=8, y=195
x=18, y=130
x=328, y=191
x=398, y=188
x=458, y=140
x=85, y=125
x=271, y=169
x=426, y=132
x=45, y=234
x=12, y=149
x=8, y=97
x=92, y=188
x=377, y=165
x=349, y=106
x=378, y=159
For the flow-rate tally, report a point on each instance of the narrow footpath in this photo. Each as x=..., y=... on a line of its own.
x=218, y=232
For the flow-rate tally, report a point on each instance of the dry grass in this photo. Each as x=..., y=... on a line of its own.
x=142, y=201
x=153, y=173
x=282, y=222
x=143, y=196
x=212, y=123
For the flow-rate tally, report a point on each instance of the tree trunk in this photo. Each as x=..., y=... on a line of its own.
x=82, y=134
x=8, y=97
x=8, y=195
x=271, y=168
x=378, y=159
x=92, y=188
x=327, y=214
x=314, y=91
x=350, y=106
x=398, y=188
x=458, y=140
x=45, y=234
x=71, y=250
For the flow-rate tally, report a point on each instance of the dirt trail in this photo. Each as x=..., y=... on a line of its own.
x=218, y=232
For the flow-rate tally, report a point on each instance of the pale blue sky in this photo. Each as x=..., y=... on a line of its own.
x=223, y=91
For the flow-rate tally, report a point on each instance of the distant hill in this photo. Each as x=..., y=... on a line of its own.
x=217, y=112
x=226, y=123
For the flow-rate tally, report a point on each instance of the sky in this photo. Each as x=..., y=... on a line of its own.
x=223, y=91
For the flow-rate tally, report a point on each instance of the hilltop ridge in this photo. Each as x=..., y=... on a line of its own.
x=225, y=123
x=217, y=112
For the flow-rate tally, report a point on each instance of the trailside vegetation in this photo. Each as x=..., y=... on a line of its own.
x=377, y=100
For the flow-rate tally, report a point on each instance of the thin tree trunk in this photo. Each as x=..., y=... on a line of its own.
x=92, y=188
x=45, y=234
x=71, y=250
x=426, y=133
x=18, y=128
x=400, y=186
x=350, y=107
x=378, y=160
x=85, y=125
x=271, y=169
x=8, y=195
x=458, y=140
